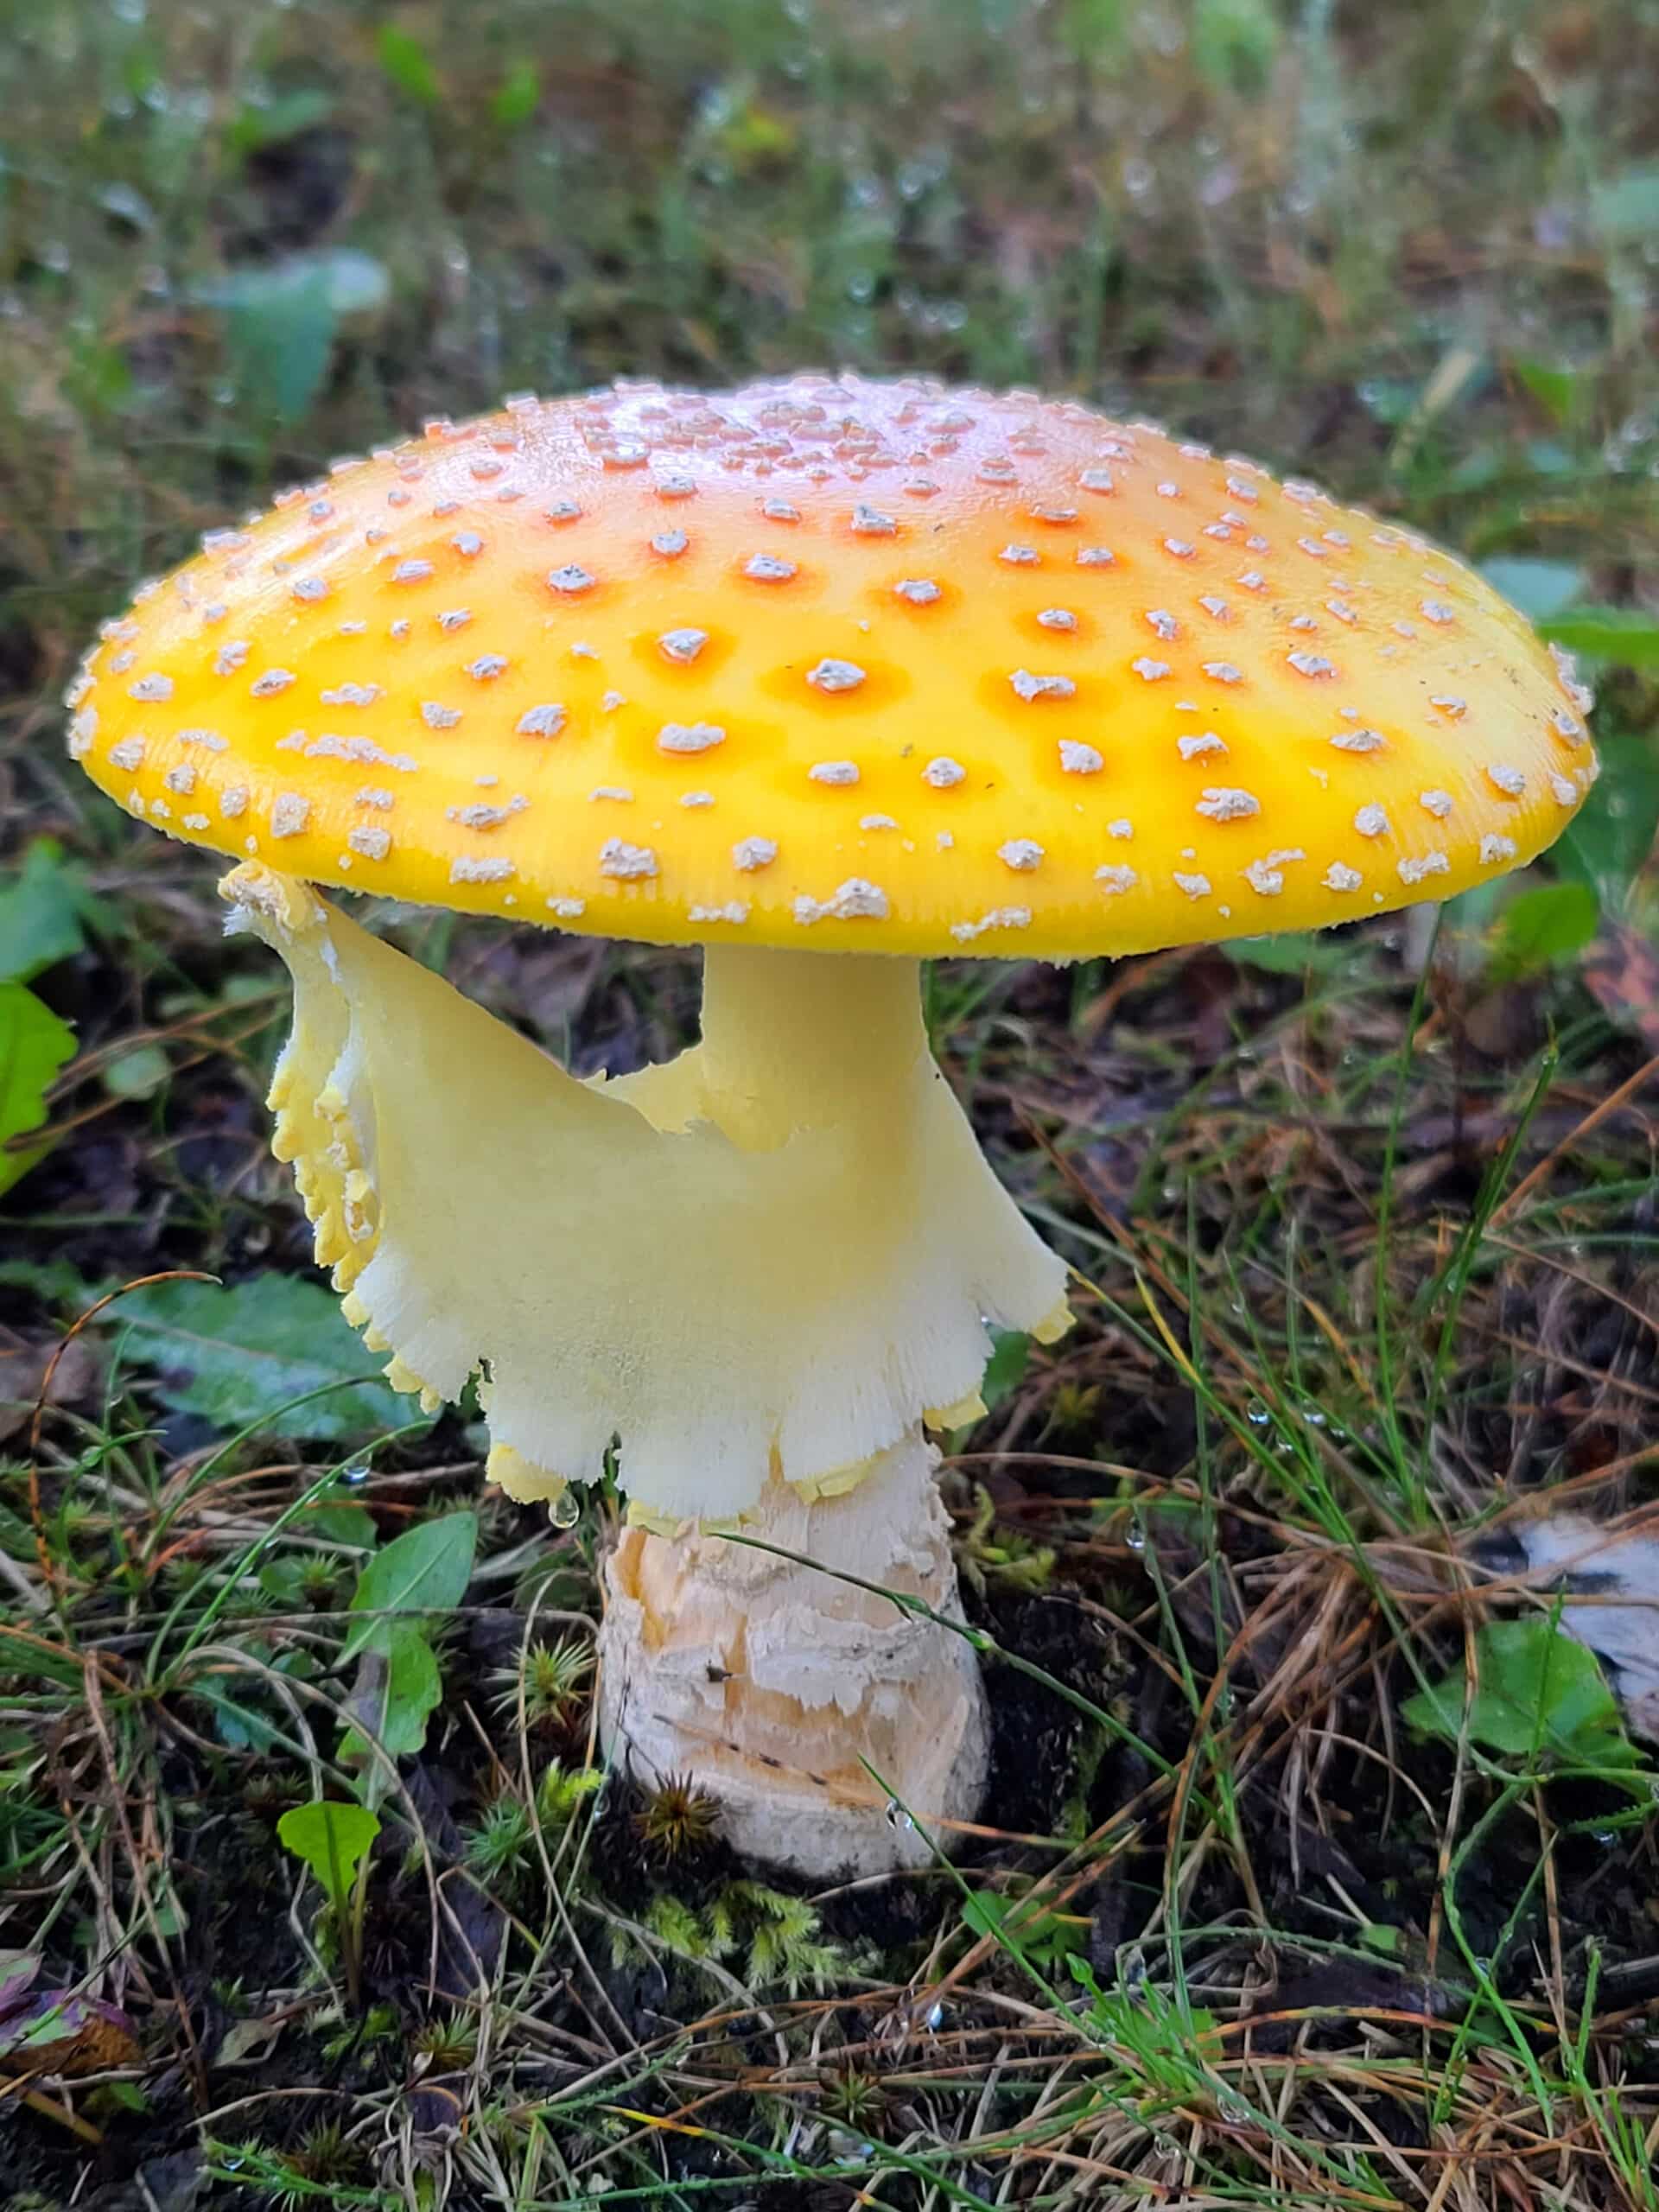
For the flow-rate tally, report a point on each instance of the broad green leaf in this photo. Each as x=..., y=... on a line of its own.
x=425, y=1572
x=395, y=1703
x=58, y=1282
x=138, y=1072
x=1547, y=922
x=18, y=1971
x=1537, y=587
x=33, y=1045
x=1293, y=953
x=1612, y=833
x=1005, y=1370
x=241, y=1725
x=1096, y=30
x=409, y=65
x=1382, y=1937
x=1557, y=390
x=281, y=318
x=1534, y=1685
x=1234, y=43
x=1031, y=1929
x=1625, y=634
x=280, y=335
x=414, y=1688
x=238, y=1355
x=271, y=122
x=39, y=912
x=518, y=96
x=1627, y=207
x=335, y=1517
x=333, y=1839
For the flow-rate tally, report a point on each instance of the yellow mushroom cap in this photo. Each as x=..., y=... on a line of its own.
x=840, y=664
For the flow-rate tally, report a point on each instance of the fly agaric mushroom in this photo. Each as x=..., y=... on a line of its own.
x=825, y=676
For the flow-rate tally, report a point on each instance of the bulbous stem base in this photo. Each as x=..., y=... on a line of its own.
x=786, y=1693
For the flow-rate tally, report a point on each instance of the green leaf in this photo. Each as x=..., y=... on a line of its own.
x=1234, y=43
x=39, y=912
x=33, y=1045
x=1096, y=30
x=333, y=1839
x=281, y=318
x=1625, y=634
x=1550, y=922
x=1612, y=833
x=1535, y=1686
x=280, y=335
x=409, y=65
x=334, y=1517
x=1380, y=1935
x=139, y=1072
x=55, y=1282
x=1537, y=587
x=1295, y=953
x=518, y=96
x=238, y=1355
x=425, y=1571
x=1557, y=390
x=395, y=1703
x=1005, y=1370
x=1628, y=207
x=1031, y=1930
x=271, y=122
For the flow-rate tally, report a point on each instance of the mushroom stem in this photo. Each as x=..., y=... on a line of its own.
x=795, y=1039
x=759, y=1268
x=839, y=1732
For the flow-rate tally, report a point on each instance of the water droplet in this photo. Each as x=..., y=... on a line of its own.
x=564, y=1510
x=1256, y=1414
x=935, y=2012
x=1135, y=1538
x=356, y=1473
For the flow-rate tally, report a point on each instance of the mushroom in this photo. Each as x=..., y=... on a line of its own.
x=826, y=676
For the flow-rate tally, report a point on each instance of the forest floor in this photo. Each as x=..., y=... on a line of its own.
x=1323, y=1863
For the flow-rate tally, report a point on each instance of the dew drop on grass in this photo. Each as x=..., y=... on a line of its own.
x=565, y=1511
x=356, y=1473
x=935, y=2012
x=1256, y=1414
x=1135, y=1539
